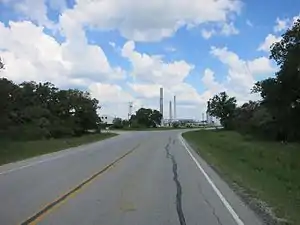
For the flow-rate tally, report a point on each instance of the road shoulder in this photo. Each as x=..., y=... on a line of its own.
x=244, y=212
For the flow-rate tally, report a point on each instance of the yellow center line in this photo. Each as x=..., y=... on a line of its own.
x=37, y=217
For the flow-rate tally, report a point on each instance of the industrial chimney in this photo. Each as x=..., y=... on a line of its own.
x=170, y=111
x=161, y=102
x=175, y=116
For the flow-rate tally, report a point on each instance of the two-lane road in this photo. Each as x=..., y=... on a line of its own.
x=136, y=178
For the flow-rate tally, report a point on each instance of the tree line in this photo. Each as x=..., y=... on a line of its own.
x=143, y=118
x=277, y=115
x=32, y=111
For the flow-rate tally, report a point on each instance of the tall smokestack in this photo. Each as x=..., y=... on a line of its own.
x=175, y=116
x=170, y=111
x=161, y=103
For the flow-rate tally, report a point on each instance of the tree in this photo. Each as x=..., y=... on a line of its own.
x=281, y=95
x=35, y=111
x=1, y=64
x=117, y=123
x=146, y=118
x=223, y=107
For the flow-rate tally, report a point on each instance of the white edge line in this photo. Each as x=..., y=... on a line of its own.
x=69, y=152
x=61, y=153
x=217, y=191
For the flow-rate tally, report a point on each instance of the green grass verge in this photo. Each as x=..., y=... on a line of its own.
x=269, y=171
x=14, y=151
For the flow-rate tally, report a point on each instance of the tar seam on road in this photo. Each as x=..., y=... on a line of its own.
x=47, y=209
x=178, y=185
x=216, y=190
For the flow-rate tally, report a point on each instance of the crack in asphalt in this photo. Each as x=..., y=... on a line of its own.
x=178, y=185
x=210, y=206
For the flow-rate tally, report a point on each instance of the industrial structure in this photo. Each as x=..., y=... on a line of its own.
x=170, y=111
x=161, y=102
x=175, y=116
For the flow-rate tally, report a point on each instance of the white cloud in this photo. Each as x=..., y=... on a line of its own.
x=153, y=20
x=151, y=73
x=75, y=62
x=285, y=23
x=38, y=56
x=281, y=24
x=225, y=29
x=210, y=83
x=249, y=23
x=146, y=90
x=153, y=69
x=207, y=34
x=229, y=29
x=269, y=40
x=112, y=98
x=110, y=93
x=112, y=44
x=170, y=49
x=260, y=66
x=241, y=73
x=36, y=10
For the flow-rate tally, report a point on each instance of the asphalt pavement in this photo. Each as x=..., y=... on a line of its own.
x=136, y=178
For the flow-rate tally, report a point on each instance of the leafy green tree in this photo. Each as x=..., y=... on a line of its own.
x=125, y=123
x=281, y=94
x=1, y=64
x=117, y=123
x=223, y=107
x=175, y=124
x=146, y=118
x=156, y=118
x=35, y=111
x=8, y=92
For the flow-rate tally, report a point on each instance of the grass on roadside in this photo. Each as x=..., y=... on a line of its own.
x=14, y=151
x=269, y=171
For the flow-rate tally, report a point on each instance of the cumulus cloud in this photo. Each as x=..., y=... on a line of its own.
x=241, y=73
x=229, y=29
x=151, y=72
x=76, y=62
x=285, y=23
x=210, y=83
x=36, y=10
x=151, y=21
x=112, y=98
x=269, y=40
x=38, y=56
x=151, y=68
x=207, y=34
x=224, y=29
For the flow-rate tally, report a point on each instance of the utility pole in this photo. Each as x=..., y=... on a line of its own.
x=130, y=106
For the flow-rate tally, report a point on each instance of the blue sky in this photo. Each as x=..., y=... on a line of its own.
x=124, y=51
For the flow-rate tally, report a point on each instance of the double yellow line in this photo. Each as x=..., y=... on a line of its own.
x=37, y=217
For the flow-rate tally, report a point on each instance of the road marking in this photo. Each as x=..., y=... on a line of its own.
x=63, y=153
x=217, y=191
x=69, y=152
x=37, y=217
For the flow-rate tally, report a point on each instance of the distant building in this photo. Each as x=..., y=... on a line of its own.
x=107, y=119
